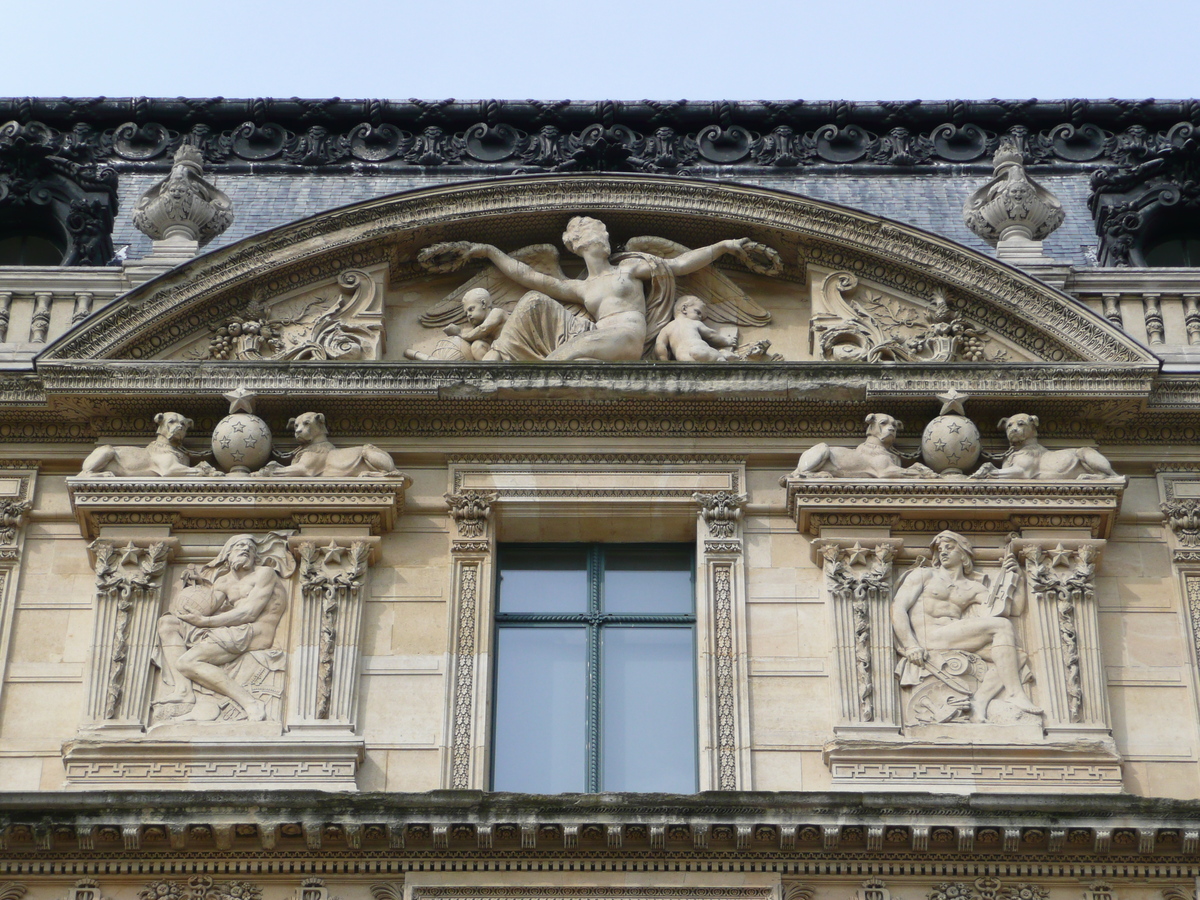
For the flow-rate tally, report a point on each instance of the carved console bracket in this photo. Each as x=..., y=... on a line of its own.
x=242, y=504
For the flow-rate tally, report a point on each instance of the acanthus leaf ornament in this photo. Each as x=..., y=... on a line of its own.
x=870, y=327
x=721, y=511
x=470, y=511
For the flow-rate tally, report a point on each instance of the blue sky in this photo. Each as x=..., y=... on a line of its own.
x=617, y=49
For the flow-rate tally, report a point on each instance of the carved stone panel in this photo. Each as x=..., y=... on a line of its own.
x=858, y=581
x=333, y=585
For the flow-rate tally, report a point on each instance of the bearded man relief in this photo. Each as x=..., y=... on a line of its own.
x=613, y=312
x=217, y=646
x=956, y=632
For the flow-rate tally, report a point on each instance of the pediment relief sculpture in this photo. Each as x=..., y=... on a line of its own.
x=523, y=307
x=957, y=636
x=342, y=321
x=217, y=645
x=164, y=457
x=854, y=324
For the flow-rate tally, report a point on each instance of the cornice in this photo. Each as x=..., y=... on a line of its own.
x=299, y=134
x=546, y=381
x=980, y=828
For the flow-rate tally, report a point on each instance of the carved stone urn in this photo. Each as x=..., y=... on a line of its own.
x=1012, y=205
x=950, y=443
x=241, y=442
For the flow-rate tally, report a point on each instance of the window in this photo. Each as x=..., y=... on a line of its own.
x=595, y=668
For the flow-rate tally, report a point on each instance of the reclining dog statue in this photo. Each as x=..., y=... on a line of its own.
x=1028, y=459
x=873, y=458
x=316, y=457
x=164, y=458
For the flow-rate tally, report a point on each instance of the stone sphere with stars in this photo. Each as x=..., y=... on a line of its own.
x=241, y=442
x=950, y=444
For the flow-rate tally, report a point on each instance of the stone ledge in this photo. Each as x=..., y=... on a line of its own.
x=904, y=764
x=191, y=764
x=1011, y=505
x=243, y=504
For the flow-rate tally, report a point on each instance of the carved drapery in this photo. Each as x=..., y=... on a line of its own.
x=858, y=577
x=129, y=580
x=333, y=588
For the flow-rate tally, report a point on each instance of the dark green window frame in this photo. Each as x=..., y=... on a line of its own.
x=594, y=621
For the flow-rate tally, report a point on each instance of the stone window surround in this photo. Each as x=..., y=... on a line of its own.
x=665, y=497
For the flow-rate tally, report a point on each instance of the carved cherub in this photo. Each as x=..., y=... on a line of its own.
x=317, y=457
x=873, y=458
x=165, y=457
x=687, y=339
x=487, y=319
x=1027, y=458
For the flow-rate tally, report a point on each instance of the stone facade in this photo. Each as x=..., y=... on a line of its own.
x=943, y=504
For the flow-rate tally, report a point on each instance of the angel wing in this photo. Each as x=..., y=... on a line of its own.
x=727, y=304
x=505, y=292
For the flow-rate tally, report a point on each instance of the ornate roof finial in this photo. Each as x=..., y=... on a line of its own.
x=183, y=206
x=1012, y=210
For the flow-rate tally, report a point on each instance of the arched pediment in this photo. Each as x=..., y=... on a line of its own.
x=381, y=240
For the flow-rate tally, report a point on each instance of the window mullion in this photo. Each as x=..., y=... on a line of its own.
x=595, y=587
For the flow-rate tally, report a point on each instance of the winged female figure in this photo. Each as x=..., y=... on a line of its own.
x=613, y=313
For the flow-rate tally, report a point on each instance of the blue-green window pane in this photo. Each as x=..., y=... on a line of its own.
x=541, y=710
x=544, y=580
x=651, y=579
x=648, y=718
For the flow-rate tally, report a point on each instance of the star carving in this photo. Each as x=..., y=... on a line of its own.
x=1060, y=556
x=238, y=426
x=237, y=454
x=954, y=428
x=249, y=441
x=225, y=442
x=333, y=553
x=857, y=554
x=130, y=554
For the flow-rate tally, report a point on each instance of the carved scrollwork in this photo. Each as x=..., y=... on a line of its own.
x=987, y=888
x=869, y=327
x=200, y=887
x=328, y=325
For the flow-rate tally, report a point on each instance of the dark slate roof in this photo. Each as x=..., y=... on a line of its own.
x=929, y=201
